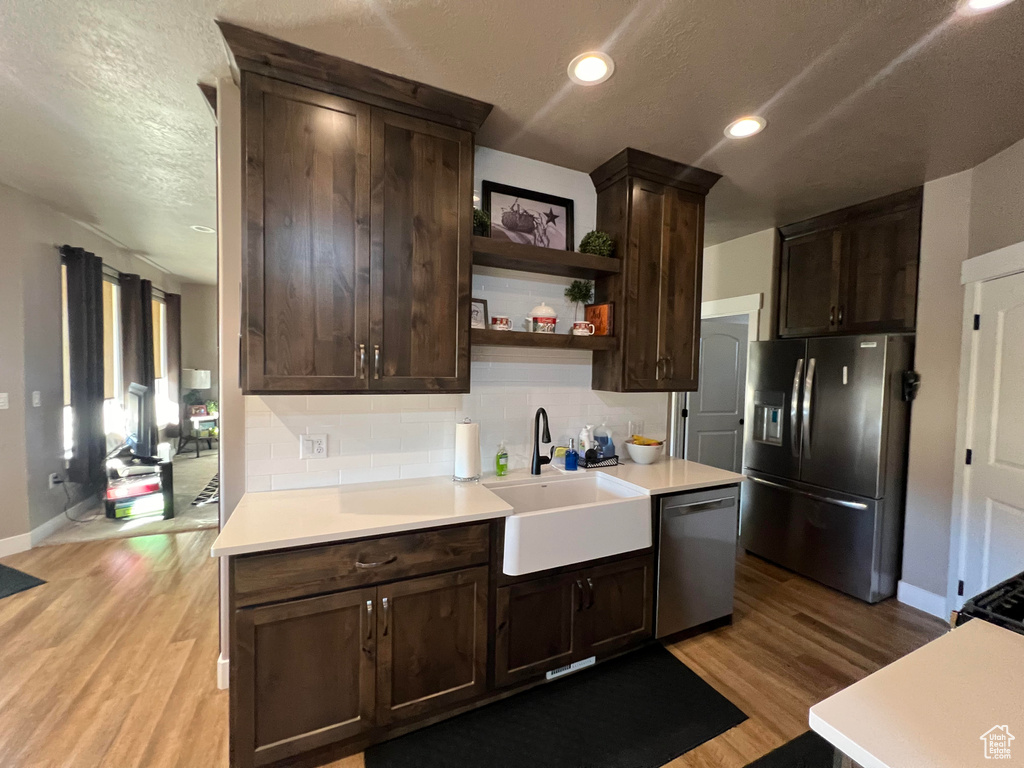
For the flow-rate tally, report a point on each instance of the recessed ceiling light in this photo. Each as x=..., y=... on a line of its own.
x=980, y=6
x=744, y=127
x=204, y=230
x=591, y=68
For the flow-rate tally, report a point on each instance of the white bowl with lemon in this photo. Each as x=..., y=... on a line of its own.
x=643, y=450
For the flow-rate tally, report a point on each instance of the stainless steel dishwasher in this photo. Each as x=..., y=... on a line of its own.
x=696, y=558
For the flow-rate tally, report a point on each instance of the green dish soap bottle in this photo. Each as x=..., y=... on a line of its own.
x=501, y=461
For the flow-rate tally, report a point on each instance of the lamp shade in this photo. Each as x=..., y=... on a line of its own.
x=192, y=378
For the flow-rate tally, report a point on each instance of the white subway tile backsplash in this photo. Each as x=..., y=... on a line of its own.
x=387, y=437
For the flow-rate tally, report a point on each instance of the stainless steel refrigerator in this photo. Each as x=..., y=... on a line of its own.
x=825, y=453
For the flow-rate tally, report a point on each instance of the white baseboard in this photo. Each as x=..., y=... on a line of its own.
x=922, y=599
x=50, y=527
x=222, y=672
x=12, y=545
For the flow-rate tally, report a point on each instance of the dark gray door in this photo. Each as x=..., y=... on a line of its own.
x=842, y=411
x=714, y=426
x=774, y=377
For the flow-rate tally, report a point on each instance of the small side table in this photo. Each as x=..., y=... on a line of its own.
x=198, y=424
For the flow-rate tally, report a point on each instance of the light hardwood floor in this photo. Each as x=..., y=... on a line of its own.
x=112, y=663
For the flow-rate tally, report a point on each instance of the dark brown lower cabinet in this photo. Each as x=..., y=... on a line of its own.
x=303, y=675
x=432, y=643
x=553, y=621
x=321, y=670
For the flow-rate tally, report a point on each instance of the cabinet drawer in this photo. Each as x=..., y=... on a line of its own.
x=283, y=575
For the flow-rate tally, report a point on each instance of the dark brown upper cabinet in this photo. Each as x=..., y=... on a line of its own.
x=358, y=225
x=654, y=210
x=853, y=270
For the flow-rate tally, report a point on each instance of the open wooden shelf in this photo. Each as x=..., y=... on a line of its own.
x=504, y=254
x=544, y=340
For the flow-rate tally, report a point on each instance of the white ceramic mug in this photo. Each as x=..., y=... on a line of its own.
x=501, y=323
x=582, y=328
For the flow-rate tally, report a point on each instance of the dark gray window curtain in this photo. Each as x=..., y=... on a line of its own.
x=173, y=303
x=85, y=348
x=137, y=339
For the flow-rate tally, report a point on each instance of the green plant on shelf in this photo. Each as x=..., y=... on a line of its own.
x=481, y=223
x=579, y=292
x=597, y=243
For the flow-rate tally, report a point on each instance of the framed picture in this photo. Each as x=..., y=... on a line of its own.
x=533, y=218
x=197, y=410
x=478, y=313
x=601, y=317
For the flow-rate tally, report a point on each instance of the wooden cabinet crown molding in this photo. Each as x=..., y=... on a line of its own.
x=908, y=198
x=643, y=165
x=257, y=52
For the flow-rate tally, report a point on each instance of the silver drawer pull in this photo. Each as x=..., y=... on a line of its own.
x=816, y=497
x=378, y=564
x=698, y=506
x=369, y=619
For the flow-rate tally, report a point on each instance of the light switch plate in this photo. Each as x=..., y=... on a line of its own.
x=312, y=446
x=37, y=398
x=5, y=401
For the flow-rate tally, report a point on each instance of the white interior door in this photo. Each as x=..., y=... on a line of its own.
x=992, y=546
x=714, y=422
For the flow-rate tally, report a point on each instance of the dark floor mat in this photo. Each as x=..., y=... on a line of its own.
x=13, y=581
x=640, y=711
x=808, y=750
x=210, y=494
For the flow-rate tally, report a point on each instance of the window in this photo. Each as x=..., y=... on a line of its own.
x=65, y=334
x=166, y=411
x=113, y=383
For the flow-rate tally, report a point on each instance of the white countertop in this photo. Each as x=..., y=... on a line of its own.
x=281, y=519
x=932, y=707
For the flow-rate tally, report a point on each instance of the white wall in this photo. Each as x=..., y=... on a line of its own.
x=997, y=201
x=199, y=333
x=31, y=441
x=741, y=267
x=944, y=246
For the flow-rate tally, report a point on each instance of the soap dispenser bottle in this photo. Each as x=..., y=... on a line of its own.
x=571, y=458
x=501, y=461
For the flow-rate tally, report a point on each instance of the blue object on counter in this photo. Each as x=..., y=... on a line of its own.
x=571, y=458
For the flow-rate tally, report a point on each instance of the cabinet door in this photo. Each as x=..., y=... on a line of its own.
x=679, y=315
x=809, y=283
x=432, y=646
x=302, y=675
x=880, y=260
x=536, y=627
x=618, y=606
x=642, y=345
x=420, y=254
x=307, y=239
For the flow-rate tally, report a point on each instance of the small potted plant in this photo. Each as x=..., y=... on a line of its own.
x=579, y=292
x=481, y=223
x=598, y=243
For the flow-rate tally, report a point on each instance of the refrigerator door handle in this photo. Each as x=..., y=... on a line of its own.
x=808, y=394
x=794, y=405
x=808, y=494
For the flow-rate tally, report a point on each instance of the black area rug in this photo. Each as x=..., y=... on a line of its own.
x=210, y=494
x=808, y=750
x=13, y=581
x=640, y=711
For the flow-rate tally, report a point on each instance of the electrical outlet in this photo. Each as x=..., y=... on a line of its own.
x=55, y=480
x=37, y=399
x=312, y=446
x=5, y=401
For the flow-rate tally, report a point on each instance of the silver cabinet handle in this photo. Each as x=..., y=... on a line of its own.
x=832, y=316
x=808, y=494
x=384, y=615
x=362, y=361
x=670, y=365
x=794, y=403
x=378, y=564
x=590, y=591
x=376, y=361
x=579, y=592
x=808, y=394
x=840, y=314
x=657, y=370
x=369, y=619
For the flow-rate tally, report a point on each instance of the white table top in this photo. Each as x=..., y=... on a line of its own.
x=932, y=708
x=294, y=518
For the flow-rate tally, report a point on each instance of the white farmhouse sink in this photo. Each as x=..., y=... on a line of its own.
x=571, y=520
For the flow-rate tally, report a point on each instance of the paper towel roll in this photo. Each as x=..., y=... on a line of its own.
x=467, y=451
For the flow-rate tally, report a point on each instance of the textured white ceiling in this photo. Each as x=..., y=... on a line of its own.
x=101, y=115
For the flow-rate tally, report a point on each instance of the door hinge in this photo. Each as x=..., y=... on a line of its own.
x=977, y=322
x=960, y=588
x=686, y=412
x=970, y=455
